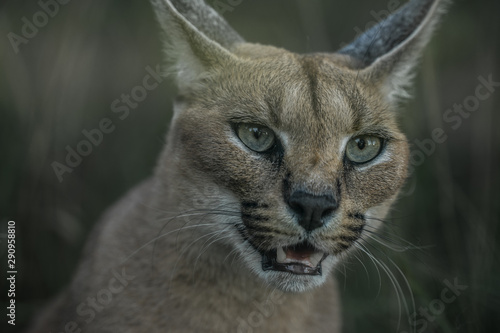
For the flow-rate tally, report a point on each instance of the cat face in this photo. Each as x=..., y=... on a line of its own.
x=304, y=148
x=309, y=153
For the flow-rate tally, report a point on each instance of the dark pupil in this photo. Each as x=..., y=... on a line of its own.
x=256, y=133
x=361, y=144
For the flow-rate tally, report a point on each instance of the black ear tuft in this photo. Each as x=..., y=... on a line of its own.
x=390, y=50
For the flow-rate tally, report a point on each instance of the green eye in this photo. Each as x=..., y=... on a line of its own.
x=364, y=148
x=256, y=137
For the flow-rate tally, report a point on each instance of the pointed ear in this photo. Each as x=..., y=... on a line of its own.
x=197, y=38
x=387, y=53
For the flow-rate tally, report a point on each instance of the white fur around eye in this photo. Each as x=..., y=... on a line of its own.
x=343, y=144
x=284, y=139
x=383, y=157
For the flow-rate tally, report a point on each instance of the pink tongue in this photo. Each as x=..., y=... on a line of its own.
x=303, y=254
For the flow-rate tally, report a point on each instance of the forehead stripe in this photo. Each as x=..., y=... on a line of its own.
x=310, y=69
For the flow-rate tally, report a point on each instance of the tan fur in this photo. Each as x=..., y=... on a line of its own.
x=183, y=234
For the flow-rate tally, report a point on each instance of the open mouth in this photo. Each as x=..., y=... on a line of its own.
x=300, y=259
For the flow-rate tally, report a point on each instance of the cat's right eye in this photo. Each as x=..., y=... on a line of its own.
x=256, y=137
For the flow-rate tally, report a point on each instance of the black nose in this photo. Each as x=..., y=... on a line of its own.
x=312, y=209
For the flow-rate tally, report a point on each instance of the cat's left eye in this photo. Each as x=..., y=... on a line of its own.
x=256, y=137
x=363, y=148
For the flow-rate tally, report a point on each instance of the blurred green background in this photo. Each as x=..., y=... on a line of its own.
x=64, y=79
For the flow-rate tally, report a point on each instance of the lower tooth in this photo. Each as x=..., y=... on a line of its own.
x=280, y=255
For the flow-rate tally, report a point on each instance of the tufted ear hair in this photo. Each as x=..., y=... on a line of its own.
x=197, y=38
x=387, y=53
